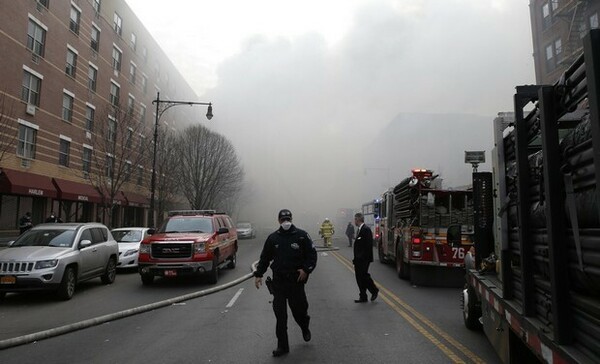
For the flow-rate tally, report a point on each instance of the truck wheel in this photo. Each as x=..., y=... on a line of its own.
x=382, y=259
x=232, y=261
x=110, y=273
x=67, y=284
x=213, y=275
x=471, y=309
x=147, y=279
x=401, y=267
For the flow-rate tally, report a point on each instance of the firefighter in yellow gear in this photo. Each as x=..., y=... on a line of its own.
x=326, y=230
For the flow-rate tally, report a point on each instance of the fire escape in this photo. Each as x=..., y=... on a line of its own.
x=574, y=12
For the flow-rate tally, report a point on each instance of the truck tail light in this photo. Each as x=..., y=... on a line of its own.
x=377, y=231
x=416, y=240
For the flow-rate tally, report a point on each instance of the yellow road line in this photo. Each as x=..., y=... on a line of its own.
x=420, y=317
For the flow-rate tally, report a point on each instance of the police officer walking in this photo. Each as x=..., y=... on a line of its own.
x=293, y=258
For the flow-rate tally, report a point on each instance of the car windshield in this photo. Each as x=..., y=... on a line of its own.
x=127, y=236
x=187, y=225
x=54, y=237
x=243, y=225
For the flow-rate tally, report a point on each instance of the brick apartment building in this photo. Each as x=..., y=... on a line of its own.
x=62, y=62
x=557, y=28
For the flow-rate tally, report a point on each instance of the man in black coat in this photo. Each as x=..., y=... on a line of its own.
x=363, y=256
x=293, y=258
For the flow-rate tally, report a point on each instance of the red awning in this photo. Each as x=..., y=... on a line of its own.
x=73, y=191
x=23, y=183
x=136, y=200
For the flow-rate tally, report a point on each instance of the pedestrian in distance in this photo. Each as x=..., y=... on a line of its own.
x=292, y=256
x=25, y=223
x=350, y=233
x=53, y=218
x=363, y=256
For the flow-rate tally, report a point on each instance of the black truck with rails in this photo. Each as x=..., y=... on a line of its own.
x=534, y=281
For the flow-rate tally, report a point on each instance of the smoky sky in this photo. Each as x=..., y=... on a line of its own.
x=307, y=117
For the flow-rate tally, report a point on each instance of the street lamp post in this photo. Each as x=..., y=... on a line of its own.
x=167, y=104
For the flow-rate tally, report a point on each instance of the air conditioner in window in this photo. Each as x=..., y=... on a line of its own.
x=25, y=163
x=35, y=58
x=116, y=73
x=30, y=109
x=88, y=135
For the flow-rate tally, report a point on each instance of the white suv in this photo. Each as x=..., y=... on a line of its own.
x=57, y=257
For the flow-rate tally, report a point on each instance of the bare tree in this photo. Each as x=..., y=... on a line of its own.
x=8, y=135
x=211, y=173
x=167, y=166
x=118, y=148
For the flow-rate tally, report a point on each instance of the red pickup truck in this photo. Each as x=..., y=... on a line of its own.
x=190, y=242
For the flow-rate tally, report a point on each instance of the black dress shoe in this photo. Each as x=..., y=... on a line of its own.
x=280, y=351
x=306, y=335
x=361, y=300
x=374, y=295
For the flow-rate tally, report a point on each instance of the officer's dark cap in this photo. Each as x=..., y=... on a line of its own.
x=285, y=214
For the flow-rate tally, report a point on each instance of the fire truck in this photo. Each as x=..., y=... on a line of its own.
x=413, y=221
x=533, y=284
x=371, y=211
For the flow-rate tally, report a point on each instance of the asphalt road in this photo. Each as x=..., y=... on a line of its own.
x=405, y=324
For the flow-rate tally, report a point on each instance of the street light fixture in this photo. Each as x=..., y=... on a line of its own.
x=167, y=104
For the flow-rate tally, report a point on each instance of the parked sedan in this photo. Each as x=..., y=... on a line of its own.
x=245, y=230
x=129, y=240
x=57, y=257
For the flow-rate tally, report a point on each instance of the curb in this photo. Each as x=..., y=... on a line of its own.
x=46, y=334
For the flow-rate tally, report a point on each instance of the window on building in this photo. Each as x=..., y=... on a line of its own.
x=117, y=56
x=95, y=38
x=92, y=77
x=96, y=4
x=144, y=83
x=133, y=42
x=112, y=129
x=27, y=141
x=550, y=60
x=67, y=107
x=63, y=153
x=130, y=105
x=86, y=160
x=594, y=21
x=546, y=16
x=115, y=92
x=44, y=3
x=36, y=38
x=145, y=54
x=142, y=114
x=132, y=72
x=30, y=92
x=71, y=66
x=90, y=113
x=75, y=18
x=140, y=176
x=118, y=24
x=129, y=138
x=127, y=171
x=557, y=47
x=554, y=4
x=110, y=166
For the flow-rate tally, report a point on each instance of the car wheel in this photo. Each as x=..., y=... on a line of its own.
x=232, y=261
x=147, y=279
x=2, y=295
x=67, y=284
x=213, y=275
x=110, y=273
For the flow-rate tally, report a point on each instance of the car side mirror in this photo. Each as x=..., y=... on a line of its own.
x=223, y=230
x=85, y=243
x=454, y=235
x=10, y=243
x=151, y=231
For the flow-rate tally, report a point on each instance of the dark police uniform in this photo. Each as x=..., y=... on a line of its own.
x=289, y=251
